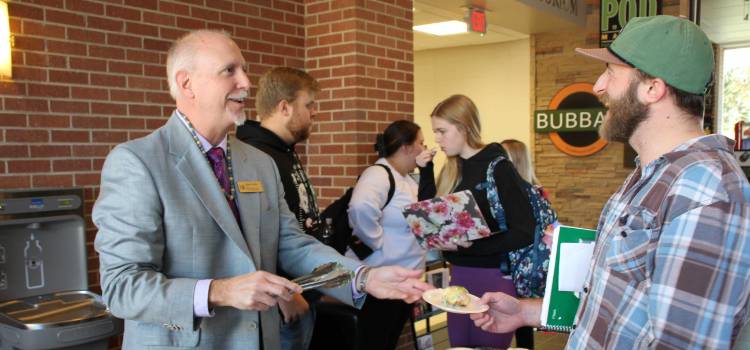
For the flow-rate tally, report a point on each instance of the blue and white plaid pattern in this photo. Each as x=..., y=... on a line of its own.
x=671, y=268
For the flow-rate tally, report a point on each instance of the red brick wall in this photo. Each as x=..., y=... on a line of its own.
x=88, y=75
x=361, y=52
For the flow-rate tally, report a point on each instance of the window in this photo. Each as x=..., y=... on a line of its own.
x=734, y=89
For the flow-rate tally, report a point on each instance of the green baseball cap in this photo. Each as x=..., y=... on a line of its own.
x=671, y=48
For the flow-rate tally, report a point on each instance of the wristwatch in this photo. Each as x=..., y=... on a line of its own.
x=361, y=279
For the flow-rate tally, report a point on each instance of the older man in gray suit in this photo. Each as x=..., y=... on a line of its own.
x=189, y=261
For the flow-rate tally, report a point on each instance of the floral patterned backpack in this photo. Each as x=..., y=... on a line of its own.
x=528, y=265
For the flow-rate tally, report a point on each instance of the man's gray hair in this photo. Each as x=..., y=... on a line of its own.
x=181, y=54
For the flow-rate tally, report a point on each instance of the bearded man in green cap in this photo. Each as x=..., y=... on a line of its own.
x=671, y=265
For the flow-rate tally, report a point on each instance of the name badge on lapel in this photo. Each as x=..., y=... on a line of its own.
x=250, y=186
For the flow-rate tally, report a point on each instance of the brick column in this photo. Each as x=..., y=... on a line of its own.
x=361, y=52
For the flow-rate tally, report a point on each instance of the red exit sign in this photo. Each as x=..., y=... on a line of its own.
x=477, y=21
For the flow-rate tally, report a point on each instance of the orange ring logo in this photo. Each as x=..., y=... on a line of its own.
x=557, y=140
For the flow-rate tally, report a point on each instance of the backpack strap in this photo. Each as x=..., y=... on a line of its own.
x=357, y=246
x=391, y=182
x=493, y=197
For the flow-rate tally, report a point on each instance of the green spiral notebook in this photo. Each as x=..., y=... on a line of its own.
x=570, y=261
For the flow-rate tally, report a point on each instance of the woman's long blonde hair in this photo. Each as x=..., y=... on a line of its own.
x=520, y=157
x=460, y=111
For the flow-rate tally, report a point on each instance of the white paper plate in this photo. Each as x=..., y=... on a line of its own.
x=435, y=298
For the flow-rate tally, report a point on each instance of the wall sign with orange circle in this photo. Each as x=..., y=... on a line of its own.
x=572, y=120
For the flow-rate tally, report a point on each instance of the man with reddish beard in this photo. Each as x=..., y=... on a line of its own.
x=193, y=224
x=672, y=259
x=285, y=103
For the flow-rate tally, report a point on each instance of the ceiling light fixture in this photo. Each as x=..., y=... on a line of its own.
x=443, y=28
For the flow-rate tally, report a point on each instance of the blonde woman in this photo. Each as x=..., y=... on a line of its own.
x=519, y=155
x=455, y=122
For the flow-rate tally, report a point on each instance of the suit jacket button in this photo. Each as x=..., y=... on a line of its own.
x=253, y=326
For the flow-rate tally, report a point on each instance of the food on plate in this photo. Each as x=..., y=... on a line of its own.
x=456, y=296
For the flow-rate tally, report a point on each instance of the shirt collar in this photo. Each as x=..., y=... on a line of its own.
x=700, y=143
x=706, y=142
x=206, y=145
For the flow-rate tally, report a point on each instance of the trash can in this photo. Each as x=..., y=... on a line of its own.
x=44, y=297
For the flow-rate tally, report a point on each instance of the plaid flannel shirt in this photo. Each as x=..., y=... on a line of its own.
x=671, y=267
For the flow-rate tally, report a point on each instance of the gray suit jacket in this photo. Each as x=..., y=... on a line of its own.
x=164, y=224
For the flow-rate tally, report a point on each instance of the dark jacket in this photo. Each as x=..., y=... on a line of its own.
x=298, y=191
x=427, y=186
x=491, y=251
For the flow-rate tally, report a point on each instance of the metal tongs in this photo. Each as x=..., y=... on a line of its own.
x=330, y=275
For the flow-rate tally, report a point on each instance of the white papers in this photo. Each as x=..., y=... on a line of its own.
x=575, y=262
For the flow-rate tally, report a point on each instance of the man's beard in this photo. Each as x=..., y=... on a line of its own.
x=625, y=114
x=240, y=119
x=300, y=131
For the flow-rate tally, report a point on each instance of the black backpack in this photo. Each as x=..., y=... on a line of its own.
x=342, y=233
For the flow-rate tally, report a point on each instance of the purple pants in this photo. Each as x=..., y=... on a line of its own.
x=461, y=329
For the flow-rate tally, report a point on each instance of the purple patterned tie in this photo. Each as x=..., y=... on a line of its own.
x=216, y=158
